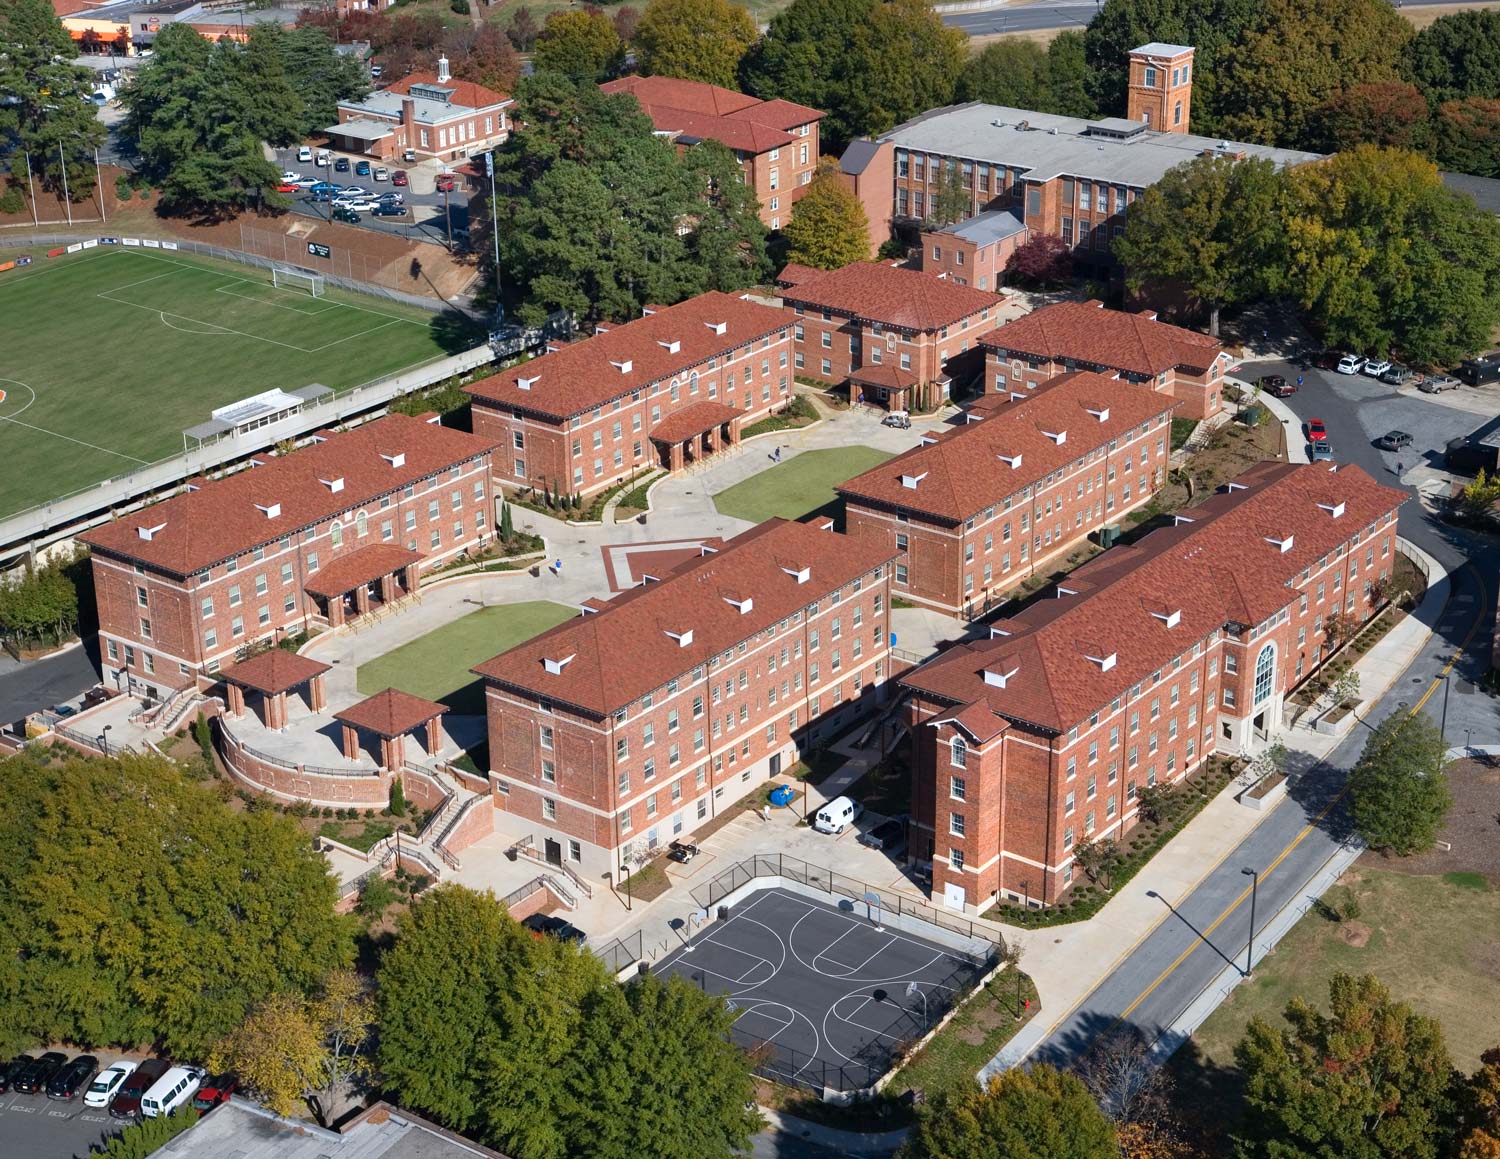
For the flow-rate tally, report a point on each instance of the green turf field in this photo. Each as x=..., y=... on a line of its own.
x=110, y=353
x=799, y=486
x=436, y=666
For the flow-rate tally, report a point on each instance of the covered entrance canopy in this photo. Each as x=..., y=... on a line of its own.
x=883, y=385
x=695, y=432
x=273, y=674
x=390, y=715
x=354, y=583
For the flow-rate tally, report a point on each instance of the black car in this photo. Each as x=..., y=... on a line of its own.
x=888, y=836
x=341, y=165
x=33, y=1079
x=12, y=1070
x=388, y=209
x=1394, y=441
x=1275, y=384
x=74, y=1077
x=545, y=925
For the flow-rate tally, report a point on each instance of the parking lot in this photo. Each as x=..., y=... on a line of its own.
x=427, y=219
x=36, y=1127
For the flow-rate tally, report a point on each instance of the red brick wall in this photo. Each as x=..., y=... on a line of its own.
x=366, y=792
x=794, y=166
x=478, y=821
x=965, y=263
x=1201, y=395
x=873, y=188
x=851, y=345
x=422, y=790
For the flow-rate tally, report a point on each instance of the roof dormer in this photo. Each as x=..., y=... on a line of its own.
x=741, y=605
x=269, y=510
x=671, y=347
x=335, y=485
x=719, y=328
x=800, y=574
x=1001, y=675
x=150, y=533
x=555, y=667
x=396, y=460
x=1282, y=545
x=1170, y=618
x=683, y=637
x=1102, y=413
x=910, y=481
x=624, y=367
x=1011, y=461
x=1097, y=655
x=524, y=383
x=1334, y=509
x=1058, y=437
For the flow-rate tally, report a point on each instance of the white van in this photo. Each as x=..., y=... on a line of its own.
x=304, y=153
x=171, y=1091
x=837, y=815
x=324, y=159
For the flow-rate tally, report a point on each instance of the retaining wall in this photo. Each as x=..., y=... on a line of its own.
x=421, y=789
x=295, y=783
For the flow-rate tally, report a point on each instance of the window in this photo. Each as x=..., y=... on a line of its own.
x=546, y=736
x=956, y=858
x=957, y=788
x=1265, y=672
x=956, y=824
x=549, y=772
x=960, y=752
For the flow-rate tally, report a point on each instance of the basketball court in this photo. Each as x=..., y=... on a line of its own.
x=826, y=995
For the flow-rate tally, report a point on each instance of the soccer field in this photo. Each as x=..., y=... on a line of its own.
x=108, y=355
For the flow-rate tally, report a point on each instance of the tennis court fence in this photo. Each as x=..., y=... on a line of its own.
x=837, y=885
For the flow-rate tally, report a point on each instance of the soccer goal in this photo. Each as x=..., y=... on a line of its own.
x=289, y=279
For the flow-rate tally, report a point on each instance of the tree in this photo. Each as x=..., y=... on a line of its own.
x=319, y=76
x=1370, y=1079
x=1456, y=56
x=1045, y=260
x=1068, y=75
x=1389, y=114
x=1098, y=858
x=952, y=202
x=1296, y=56
x=699, y=40
x=1211, y=226
x=1480, y=1110
x=626, y=20
x=868, y=64
x=728, y=241
x=1398, y=792
x=1011, y=71
x=39, y=605
x=1042, y=1113
x=147, y=1137
x=1384, y=256
x=482, y=54
x=507, y=526
x=1467, y=136
x=1476, y=501
x=1210, y=26
x=292, y=1049
x=135, y=906
x=1125, y=1079
x=828, y=229
x=522, y=29
x=581, y=44
x=47, y=114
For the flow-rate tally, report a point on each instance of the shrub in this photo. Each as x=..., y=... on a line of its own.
x=203, y=734
x=398, y=799
x=12, y=200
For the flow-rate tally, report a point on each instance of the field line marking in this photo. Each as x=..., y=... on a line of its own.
x=224, y=289
x=37, y=271
x=361, y=334
x=80, y=442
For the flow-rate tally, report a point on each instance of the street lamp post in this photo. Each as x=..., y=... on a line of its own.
x=1446, y=678
x=1254, y=876
x=104, y=738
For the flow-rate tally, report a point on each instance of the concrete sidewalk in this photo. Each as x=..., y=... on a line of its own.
x=1068, y=962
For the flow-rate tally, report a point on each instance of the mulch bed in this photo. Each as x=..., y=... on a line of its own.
x=1472, y=828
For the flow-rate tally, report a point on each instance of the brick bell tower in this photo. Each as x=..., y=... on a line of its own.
x=1161, y=86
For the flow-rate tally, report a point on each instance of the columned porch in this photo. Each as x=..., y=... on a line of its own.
x=695, y=432
x=274, y=675
x=388, y=717
x=362, y=581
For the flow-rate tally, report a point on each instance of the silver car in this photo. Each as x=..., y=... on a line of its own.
x=1437, y=383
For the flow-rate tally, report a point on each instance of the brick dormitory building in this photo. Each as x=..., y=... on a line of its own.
x=1149, y=659
x=663, y=390
x=645, y=717
x=314, y=537
x=897, y=337
x=975, y=511
x=1069, y=336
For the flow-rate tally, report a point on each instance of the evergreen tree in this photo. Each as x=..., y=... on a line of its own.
x=1041, y=1113
x=1398, y=791
x=828, y=228
x=46, y=113
x=699, y=40
x=728, y=242
x=1457, y=56
x=507, y=527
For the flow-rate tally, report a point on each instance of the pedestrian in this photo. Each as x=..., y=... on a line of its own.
x=557, y=568
x=765, y=812
x=1400, y=468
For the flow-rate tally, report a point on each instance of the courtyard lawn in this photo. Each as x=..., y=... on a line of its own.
x=799, y=486
x=436, y=666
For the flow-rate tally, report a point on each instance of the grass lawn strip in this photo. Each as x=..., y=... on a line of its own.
x=436, y=666
x=797, y=487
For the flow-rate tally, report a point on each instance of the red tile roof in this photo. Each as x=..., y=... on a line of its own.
x=612, y=658
x=465, y=92
x=891, y=295
x=587, y=374
x=1087, y=332
x=795, y=273
x=391, y=713
x=887, y=374
x=230, y=516
x=693, y=420
x=962, y=471
x=707, y=112
x=273, y=671
x=1215, y=570
x=361, y=566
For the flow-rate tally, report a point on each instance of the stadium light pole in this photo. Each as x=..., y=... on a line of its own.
x=489, y=168
x=67, y=198
x=31, y=184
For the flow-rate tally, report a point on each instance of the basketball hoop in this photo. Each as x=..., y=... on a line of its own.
x=695, y=920
x=872, y=903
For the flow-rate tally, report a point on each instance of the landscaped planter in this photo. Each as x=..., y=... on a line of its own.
x=1266, y=793
x=1337, y=720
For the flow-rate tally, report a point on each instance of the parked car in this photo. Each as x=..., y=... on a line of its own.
x=888, y=837
x=305, y=182
x=409, y=156
x=899, y=419
x=389, y=209
x=322, y=195
x=1316, y=431
x=33, y=1079
x=322, y=159
x=382, y=173
x=127, y=1102
x=172, y=1090
x=1394, y=441
x=304, y=153
x=107, y=1083
x=345, y=214
x=13, y=1070
x=399, y=177
x=837, y=815
x=1437, y=383
x=1276, y=385
x=1327, y=359
x=376, y=71
x=445, y=183
x=1322, y=451
x=1350, y=364
x=682, y=852
x=287, y=187
x=341, y=164
x=548, y=926
x=359, y=204
x=326, y=187
x=1397, y=375
x=73, y=1078
x=352, y=191
x=216, y=1089
x=361, y=168
x=1375, y=367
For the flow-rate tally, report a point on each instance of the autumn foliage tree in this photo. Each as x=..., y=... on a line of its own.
x=1040, y=1113
x=1045, y=260
x=581, y=44
x=1390, y=113
x=1479, y=1134
x=829, y=228
x=700, y=40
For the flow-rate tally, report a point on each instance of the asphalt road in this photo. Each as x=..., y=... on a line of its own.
x=36, y=1127
x=1173, y=964
x=1048, y=14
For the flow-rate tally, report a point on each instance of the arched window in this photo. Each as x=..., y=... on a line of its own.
x=1265, y=672
x=361, y=524
x=960, y=752
x=336, y=534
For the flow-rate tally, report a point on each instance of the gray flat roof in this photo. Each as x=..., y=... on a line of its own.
x=1052, y=146
x=1158, y=48
x=362, y=129
x=990, y=226
x=385, y=103
x=1484, y=190
x=240, y=1129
